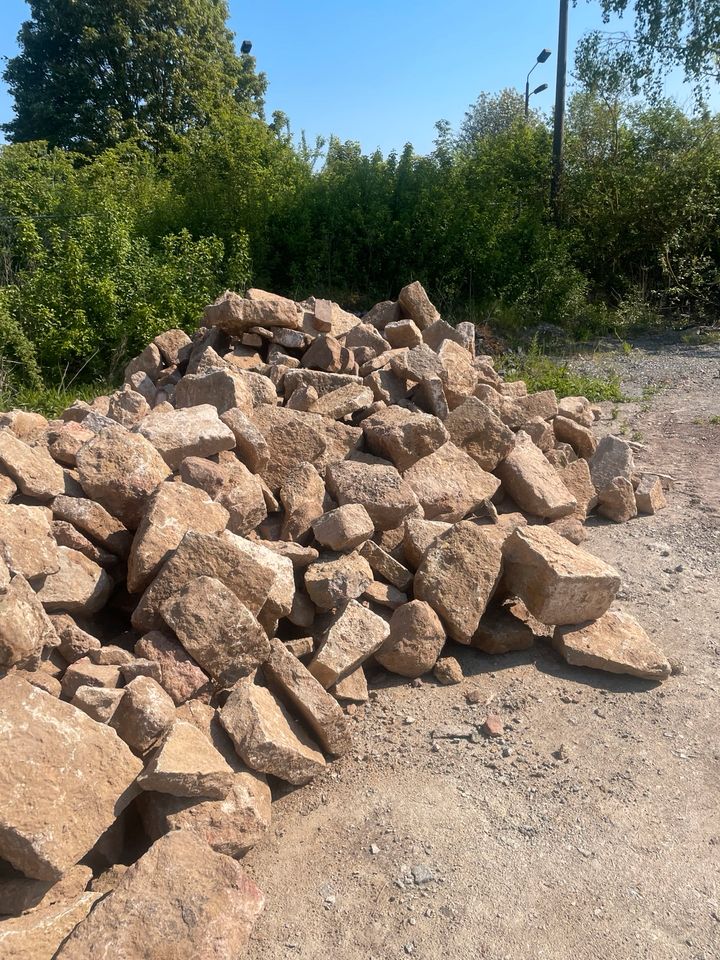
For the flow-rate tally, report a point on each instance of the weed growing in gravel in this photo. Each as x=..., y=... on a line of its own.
x=51, y=401
x=542, y=372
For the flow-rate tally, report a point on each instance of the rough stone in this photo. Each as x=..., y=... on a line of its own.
x=385, y=565
x=302, y=495
x=180, y=676
x=354, y=634
x=174, y=346
x=449, y=484
x=24, y=626
x=86, y=673
x=32, y=469
x=577, y=409
x=613, y=457
x=616, y=501
x=63, y=780
x=65, y=441
x=37, y=934
x=616, y=643
x=447, y=671
x=343, y=402
x=250, y=444
x=415, y=304
x=344, y=528
x=186, y=764
x=474, y=427
x=128, y=407
x=222, y=389
x=149, y=362
x=99, y=703
x=416, y=639
x=459, y=574
x=236, y=315
x=577, y=479
x=402, y=333
x=332, y=582
x=143, y=714
x=543, y=404
x=403, y=436
x=148, y=913
x=559, y=582
x=580, y=438
x=649, y=496
x=74, y=643
x=94, y=521
x=385, y=495
x=501, y=632
x=192, y=432
x=79, y=586
x=533, y=483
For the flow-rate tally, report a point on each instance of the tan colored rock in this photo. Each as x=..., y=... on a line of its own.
x=415, y=304
x=303, y=398
x=384, y=595
x=317, y=709
x=415, y=641
x=326, y=353
x=149, y=362
x=615, y=643
x=95, y=522
x=541, y=433
x=382, y=314
x=430, y=396
x=25, y=425
x=355, y=633
x=250, y=444
x=20, y=894
x=418, y=534
x=580, y=438
x=533, y=483
x=216, y=629
x=86, y=673
x=74, y=643
x=577, y=409
x=31, y=468
x=576, y=477
x=236, y=315
x=174, y=346
x=447, y=671
x=403, y=436
x=351, y=689
x=180, y=676
x=385, y=495
x=173, y=510
x=542, y=404
x=616, y=501
x=299, y=556
x=63, y=780
x=302, y=495
x=79, y=586
x=38, y=934
x=8, y=489
x=199, y=554
x=441, y=332
x=344, y=528
x=121, y=470
x=501, y=632
x=418, y=364
x=385, y=565
x=266, y=737
x=460, y=377
x=243, y=496
x=148, y=915
x=343, y=402
x=24, y=626
x=570, y=527
x=649, y=496
x=128, y=407
x=65, y=441
x=328, y=317
x=559, y=582
x=196, y=431
x=331, y=582
x=402, y=333
x=99, y=703
x=186, y=764
x=449, y=483
x=474, y=427
x=222, y=389
x=143, y=714
x=459, y=574
x=66, y=535
x=613, y=457
x=322, y=381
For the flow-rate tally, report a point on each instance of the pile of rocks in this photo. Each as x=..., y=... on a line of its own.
x=195, y=570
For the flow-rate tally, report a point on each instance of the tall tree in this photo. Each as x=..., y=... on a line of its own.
x=491, y=115
x=665, y=34
x=91, y=73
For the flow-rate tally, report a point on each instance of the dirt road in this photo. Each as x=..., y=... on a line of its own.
x=591, y=829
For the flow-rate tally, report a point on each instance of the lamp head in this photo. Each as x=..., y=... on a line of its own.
x=543, y=55
x=246, y=46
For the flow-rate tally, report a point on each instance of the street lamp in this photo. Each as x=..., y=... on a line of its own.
x=542, y=57
x=246, y=46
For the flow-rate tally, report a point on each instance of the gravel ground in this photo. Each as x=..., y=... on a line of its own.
x=590, y=828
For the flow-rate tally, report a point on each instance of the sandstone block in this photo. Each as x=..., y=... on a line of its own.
x=615, y=643
x=403, y=436
x=186, y=764
x=195, y=431
x=24, y=626
x=354, y=634
x=385, y=495
x=649, y=496
x=143, y=714
x=415, y=304
x=533, y=483
x=31, y=468
x=580, y=438
x=613, y=457
x=344, y=528
x=415, y=641
x=449, y=483
x=616, y=501
x=79, y=586
x=180, y=676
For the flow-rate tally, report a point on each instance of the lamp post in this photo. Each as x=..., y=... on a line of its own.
x=559, y=127
x=541, y=58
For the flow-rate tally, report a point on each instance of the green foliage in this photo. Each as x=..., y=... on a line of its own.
x=542, y=372
x=92, y=73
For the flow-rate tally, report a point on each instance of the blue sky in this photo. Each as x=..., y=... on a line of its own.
x=383, y=71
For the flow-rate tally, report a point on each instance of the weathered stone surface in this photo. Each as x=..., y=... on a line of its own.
x=328, y=317
x=449, y=483
x=243, y=496
x=351, y=689
x=173, y=510
x=24, y=626
x=322, y=381
x=559, y=582
x=63, y=780
x=615, y=643
x=403, y=436
x=343, y=401
x=385, y=595
x=128, y=407
x=474, y=427
x=343, y=528
x=385, y=565
x=381, y=490
x=448, y=671
x=417, y=364
x=541, y=433
x=330, y=583
x=266, y=737
x=8, y=488
x=580, y=438
x=577, y=409
x=186, y=764
x=649, y=496
x=201, y=554
x=79, y=586
x=294, y=684
x=74, y=643
x=402, y=333
x=37, y=934
x=250, y=444
x=459, y=574
x=302, y=495
x=66, y=535
x=148, y=914
x=388, y=311
x=460, y=377
x=415, y=305
x=31, y=468
x=500, y=632
x=25, y=425
x=174, y=346
x=180, y=676
x=326, y=353
x=143, y=714
x=416, y=639
x=616, y=501
x=94, y=521
x=99, y=703
x=149, y=362
x=577, y=479
x=216, y=629
x=86, y=673
x=354, y=634
x=418, y=535
x=533, y=483
x=222, y=389
x=65, y=441
x=613, y=457
x=235, y=315
x=570, y=527
x=195, y=431
x=121, y=470
x=542, y=404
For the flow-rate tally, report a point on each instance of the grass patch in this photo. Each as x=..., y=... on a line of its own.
x=701, y=337
x=51, y=401
x=713, y=421
x=541, y=372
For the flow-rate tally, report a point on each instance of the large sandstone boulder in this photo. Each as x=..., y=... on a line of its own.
x=415, y=641
x=31, y=468
x=186, y=764
x=449, y=484
x=416, y=306
x=533, y=483
x=474, y=427
x=95, y=522
x=148, y=913
x=63, y=780
x=78, y=586
x=386, y=496
x=27, y=545
x=193, y=432
x=403, y=436
x=332, y=582
x=25, y=628
x=354, y=634
x=615, y=643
